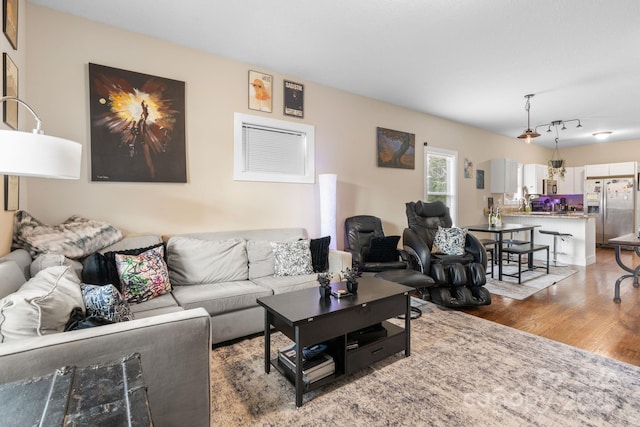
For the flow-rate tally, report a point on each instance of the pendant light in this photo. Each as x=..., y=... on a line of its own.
x=528, y=133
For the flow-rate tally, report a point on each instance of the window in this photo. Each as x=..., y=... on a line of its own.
x=273, y=150
x=440, y=177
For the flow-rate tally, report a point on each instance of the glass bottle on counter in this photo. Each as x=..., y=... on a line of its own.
x=491, y=217
x=498, y=218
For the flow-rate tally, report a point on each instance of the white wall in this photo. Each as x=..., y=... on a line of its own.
x=60, y=46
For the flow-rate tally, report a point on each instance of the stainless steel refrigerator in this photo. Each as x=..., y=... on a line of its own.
x=612, y=201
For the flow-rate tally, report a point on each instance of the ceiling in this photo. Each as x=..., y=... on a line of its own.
x=468, y=61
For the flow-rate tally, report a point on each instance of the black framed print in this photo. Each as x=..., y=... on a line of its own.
x=293, y=99
x=11, y=192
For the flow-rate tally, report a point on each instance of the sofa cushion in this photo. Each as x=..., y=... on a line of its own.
x=106, y=302
x=195, y=261
x=11, y=278
x=291, y=258
x=75, y=238
x=160, y=302
x=41, y=306
x=143, y=276
x=260, y=257
x=281, y=285
x=43, y=261
x=221, y=297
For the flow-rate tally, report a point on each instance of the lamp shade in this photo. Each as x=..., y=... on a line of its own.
x=39, y=155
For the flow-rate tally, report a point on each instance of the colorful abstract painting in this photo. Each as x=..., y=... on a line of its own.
x=137, y=126
x=396, y=149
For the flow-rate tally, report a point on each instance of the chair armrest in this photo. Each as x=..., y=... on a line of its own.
x=477, y=249
x=339, y=261
x=417, y=248
x=175, y=350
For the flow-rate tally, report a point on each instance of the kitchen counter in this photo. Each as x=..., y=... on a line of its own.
x=568, y=215
x=579, y=249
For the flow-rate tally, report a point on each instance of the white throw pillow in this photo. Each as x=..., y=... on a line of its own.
x=197, y=261
x=41, y=306
x=292, y=258
x=449, y=241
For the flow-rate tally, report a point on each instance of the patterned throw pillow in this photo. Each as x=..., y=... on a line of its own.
x=106, y=302
x=449, y=241
x=292, y=258
x=144, y=276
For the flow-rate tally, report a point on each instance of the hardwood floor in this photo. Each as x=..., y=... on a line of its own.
x=579, y=310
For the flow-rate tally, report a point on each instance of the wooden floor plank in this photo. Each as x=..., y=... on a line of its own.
x=579, y=310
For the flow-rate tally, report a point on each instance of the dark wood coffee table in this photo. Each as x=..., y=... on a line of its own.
x=307, y=319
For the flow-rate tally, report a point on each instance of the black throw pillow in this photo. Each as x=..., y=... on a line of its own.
x=111, y=261
x=320, y=254
x=96, y=270
x=383, y=249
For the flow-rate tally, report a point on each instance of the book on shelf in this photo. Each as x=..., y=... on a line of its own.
x=313, y=369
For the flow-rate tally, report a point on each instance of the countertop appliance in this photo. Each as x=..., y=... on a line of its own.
x=549, y=187
x=612, y=200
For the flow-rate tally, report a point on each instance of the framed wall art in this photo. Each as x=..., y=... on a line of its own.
x=10, y=21
x=11, y=192
x=137, y=126
x=10, y=88
x=293, y=99
x=260, y=91
x=480, y=179
x=396, y=149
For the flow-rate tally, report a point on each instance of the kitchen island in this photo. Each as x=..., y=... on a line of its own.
x=579, y=249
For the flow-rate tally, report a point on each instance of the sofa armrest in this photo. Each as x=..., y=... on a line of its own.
x=339, y=261
x=175, y=355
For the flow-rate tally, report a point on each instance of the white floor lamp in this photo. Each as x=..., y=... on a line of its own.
x=327, y=182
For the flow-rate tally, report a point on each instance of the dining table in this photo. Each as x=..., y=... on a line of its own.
x=621, y=242
x=498, y=231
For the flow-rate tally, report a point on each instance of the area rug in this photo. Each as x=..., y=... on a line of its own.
x=532, y=281
x=463, y=370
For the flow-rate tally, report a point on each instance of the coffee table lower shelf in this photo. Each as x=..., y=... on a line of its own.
x=354, y=359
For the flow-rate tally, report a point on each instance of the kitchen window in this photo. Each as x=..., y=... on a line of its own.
x=440, y=168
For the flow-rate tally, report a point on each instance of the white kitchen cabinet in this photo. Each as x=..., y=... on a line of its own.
x=622, y=169
x=504, y=176
x=533, y=174
x=578, y=180
x=566, y=185
x=610, y=169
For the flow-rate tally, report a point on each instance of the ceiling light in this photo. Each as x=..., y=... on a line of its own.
x=37, y=154
x=602, y=135
x=528, y=133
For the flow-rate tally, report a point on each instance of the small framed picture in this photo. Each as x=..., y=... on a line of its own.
x=293, y=99
x=11, y=192
x=479, y=179
x=10, y=88
x=10, y=21
x=260, y=91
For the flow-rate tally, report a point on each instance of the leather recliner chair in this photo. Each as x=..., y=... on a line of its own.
x=360, y=232
x=460, y=279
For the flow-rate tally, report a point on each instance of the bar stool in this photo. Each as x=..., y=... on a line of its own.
x=492, y=251
x=556, y=235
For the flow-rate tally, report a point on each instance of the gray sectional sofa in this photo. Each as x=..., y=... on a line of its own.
x=216, y=278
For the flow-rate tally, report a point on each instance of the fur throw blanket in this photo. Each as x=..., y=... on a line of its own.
x=75, y=238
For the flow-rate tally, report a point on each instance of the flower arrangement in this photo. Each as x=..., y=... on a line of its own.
x=351, y=276
x=324, y=278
